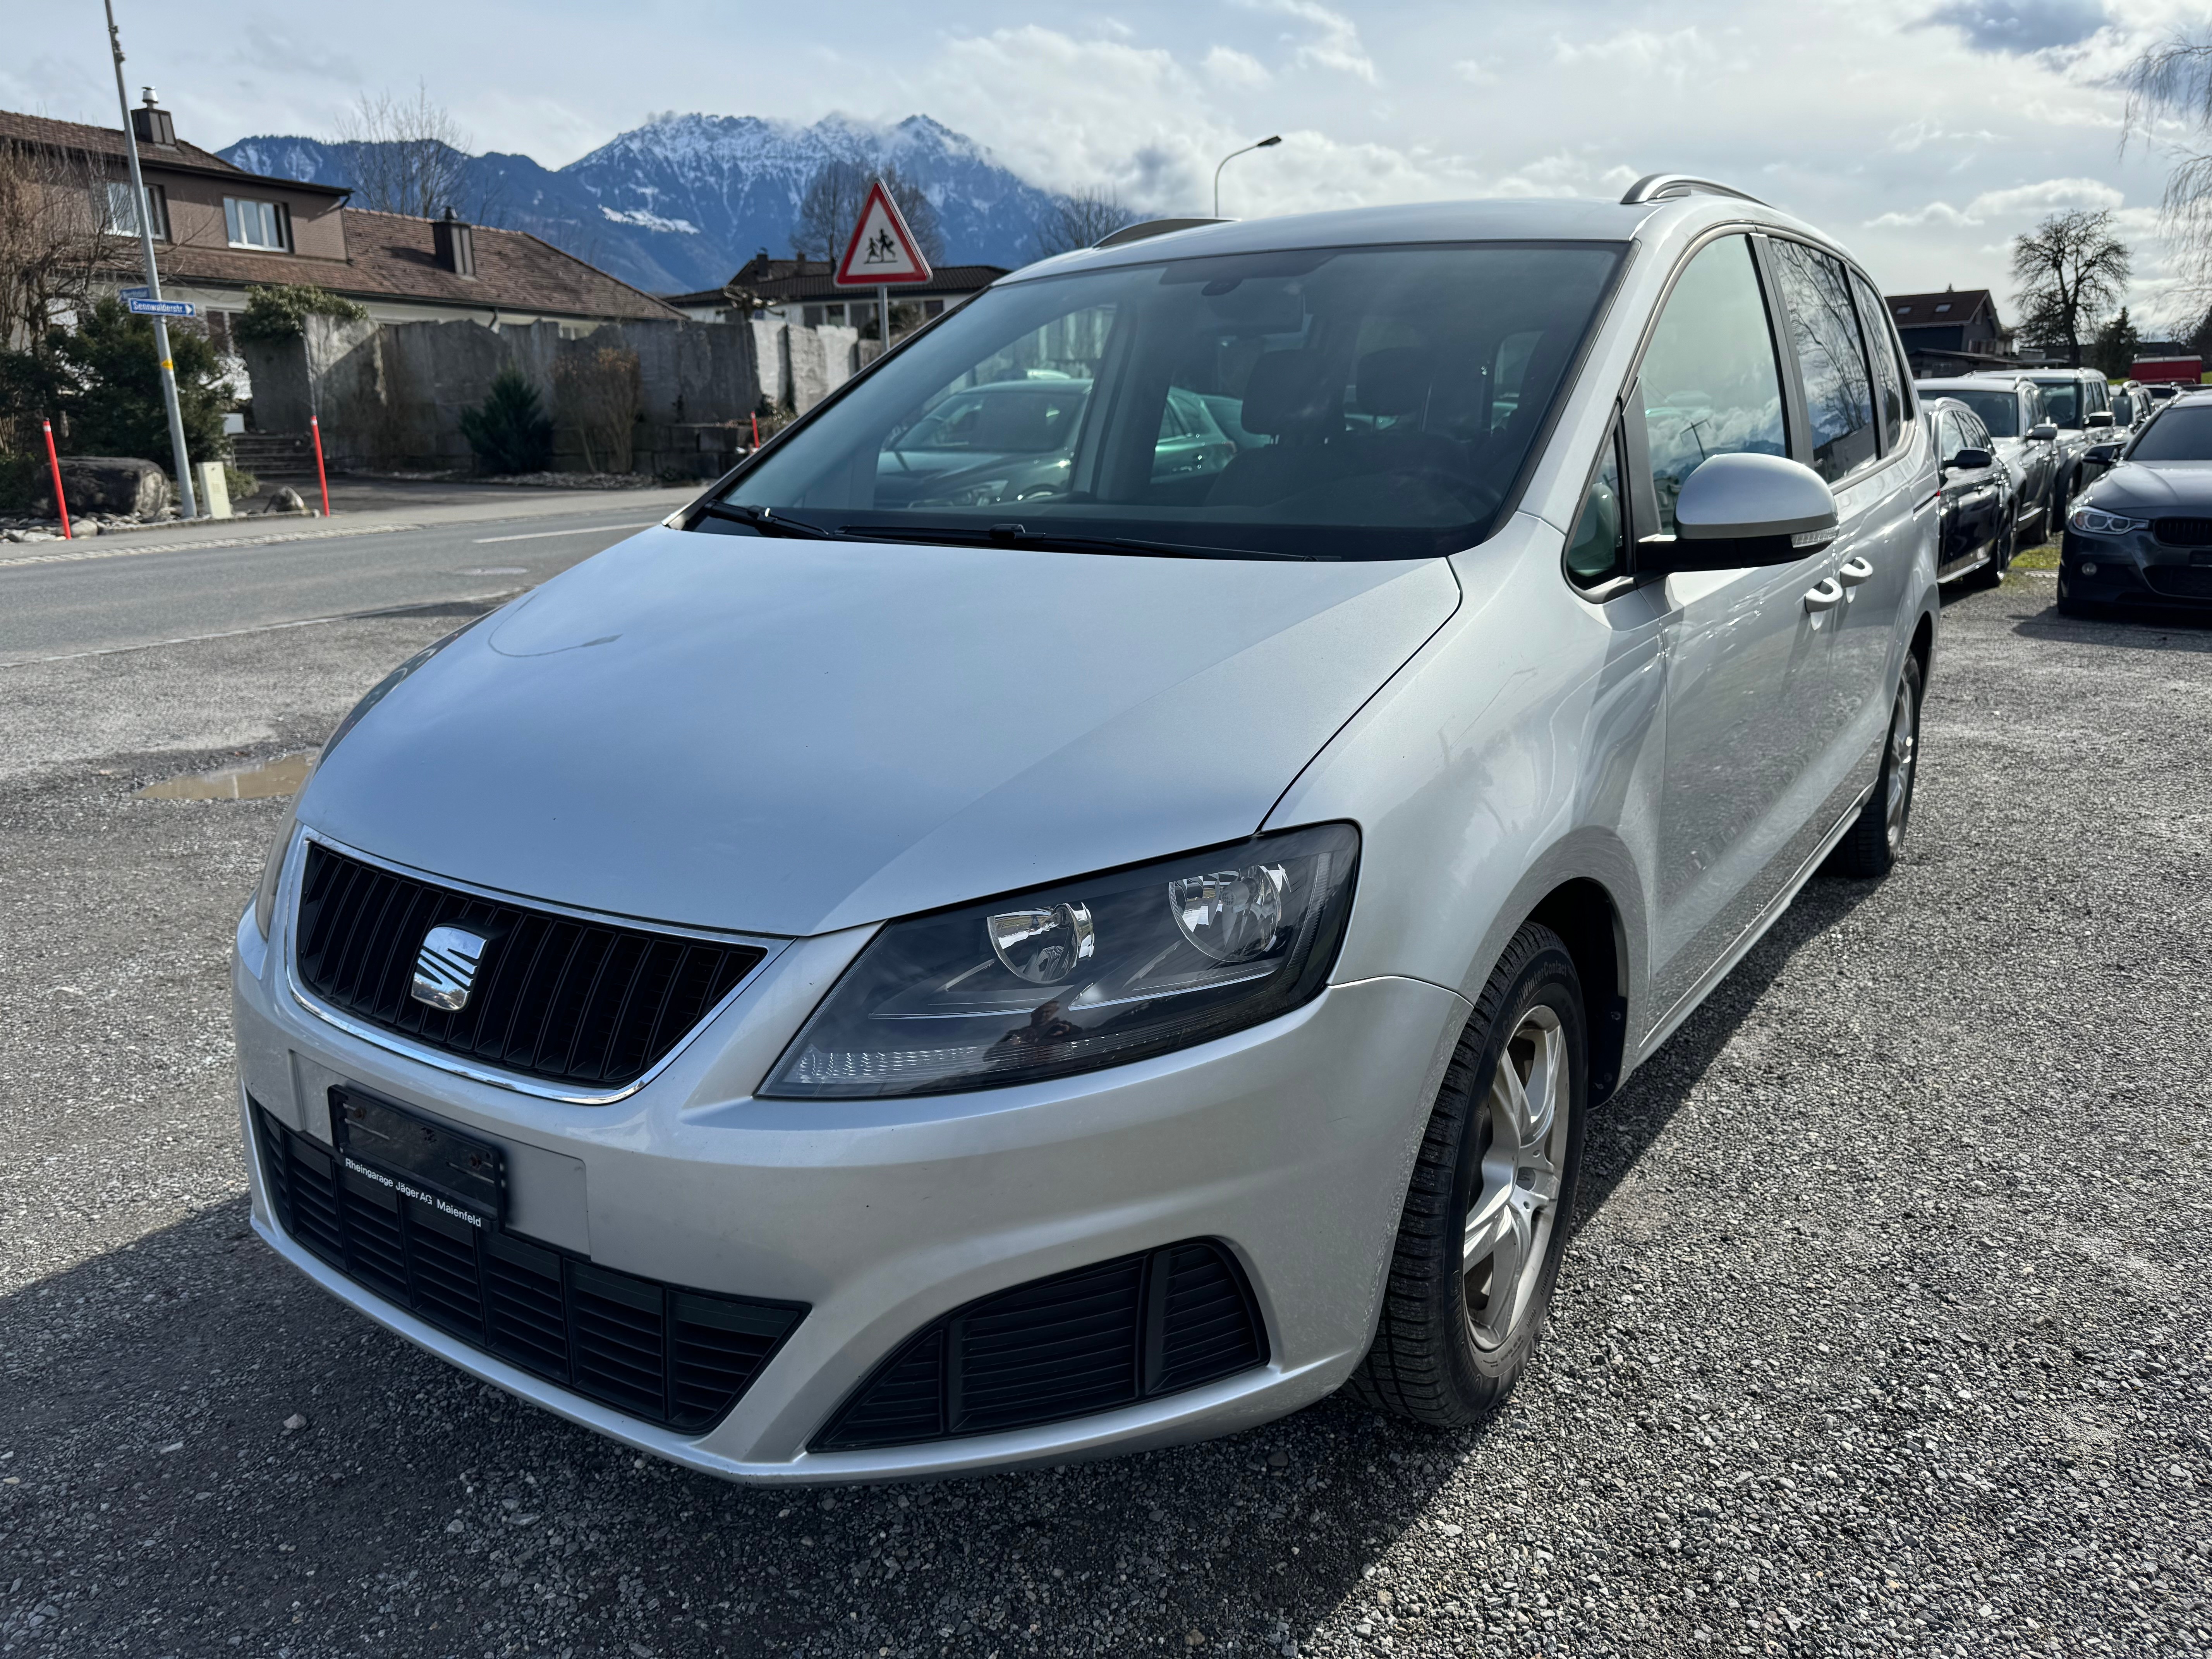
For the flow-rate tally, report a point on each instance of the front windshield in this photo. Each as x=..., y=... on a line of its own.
x=2000, y=410
x=2063, y=399
x=2178, y=434
x=1351, y=403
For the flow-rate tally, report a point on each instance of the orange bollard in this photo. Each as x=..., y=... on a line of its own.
x=315, y=428
x=53, y=461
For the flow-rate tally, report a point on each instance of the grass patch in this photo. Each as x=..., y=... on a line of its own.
x=2043, y=557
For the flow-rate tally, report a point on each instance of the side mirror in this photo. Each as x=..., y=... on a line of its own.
x=2102, y=417
x=1736, y=511
x=2045, y=434
x=1969, y=460
x=2103, y=454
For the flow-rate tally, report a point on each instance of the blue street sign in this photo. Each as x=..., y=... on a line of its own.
x=127, y=295
x=164, y=309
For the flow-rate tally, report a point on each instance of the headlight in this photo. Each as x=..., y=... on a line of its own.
x=272, y=870
x=1084, y=974
x=2095, y=521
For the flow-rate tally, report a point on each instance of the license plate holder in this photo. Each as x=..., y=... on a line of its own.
x=432, y=1162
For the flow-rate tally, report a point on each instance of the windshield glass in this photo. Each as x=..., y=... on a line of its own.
x=2063, y=399
x=1352, y=403
x=1999, y=410
x=2178, y=434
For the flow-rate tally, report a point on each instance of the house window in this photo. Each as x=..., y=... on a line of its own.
x=122, y=221
x=258, y=224
x=1945, y=306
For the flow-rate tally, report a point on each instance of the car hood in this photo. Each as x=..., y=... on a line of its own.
x=2153, y=487
x=789, y=737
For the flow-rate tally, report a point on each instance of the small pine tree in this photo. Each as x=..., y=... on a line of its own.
x=2117, y=342
x=116, y=406
x=510, y=433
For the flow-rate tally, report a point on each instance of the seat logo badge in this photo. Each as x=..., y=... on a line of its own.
x=445, y=967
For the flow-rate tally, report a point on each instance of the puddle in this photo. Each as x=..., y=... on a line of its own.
x=265, y=781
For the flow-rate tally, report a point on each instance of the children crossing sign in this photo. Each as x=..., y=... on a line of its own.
x=882, y=251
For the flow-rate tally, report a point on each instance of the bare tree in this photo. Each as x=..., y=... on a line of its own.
x=831, y=207
x=1080, y=221
x=2071, y=270
x=409, y=155
x=53, y=224
x=2170, y=86
x=601, y=393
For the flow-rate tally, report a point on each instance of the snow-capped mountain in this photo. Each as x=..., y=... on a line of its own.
x=680, y=203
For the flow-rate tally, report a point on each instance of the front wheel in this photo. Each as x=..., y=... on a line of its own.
x=1485, y=1219
x=1870, y=847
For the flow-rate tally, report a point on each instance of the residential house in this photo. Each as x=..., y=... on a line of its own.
x=220, y=230
x=1954, y=332
x=801, y=291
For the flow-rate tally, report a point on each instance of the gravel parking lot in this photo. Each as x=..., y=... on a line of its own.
x=1887, y=1328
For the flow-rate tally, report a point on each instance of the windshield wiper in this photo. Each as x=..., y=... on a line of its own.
x=764, y=520
x=1052, y=541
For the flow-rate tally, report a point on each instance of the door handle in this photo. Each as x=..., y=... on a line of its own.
x=1854, y=571
x=1825, y=595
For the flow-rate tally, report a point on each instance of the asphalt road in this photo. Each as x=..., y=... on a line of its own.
x=1886, y=1327
x=397, y=546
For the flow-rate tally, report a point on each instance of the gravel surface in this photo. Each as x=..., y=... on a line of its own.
x=1885, y=1330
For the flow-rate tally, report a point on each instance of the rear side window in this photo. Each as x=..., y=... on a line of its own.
x=1949, y=441
x=1888, y=379
x=1825, y=331
x=1599, y=551
x=1709, y=379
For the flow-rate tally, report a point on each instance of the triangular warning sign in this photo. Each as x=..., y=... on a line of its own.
x=883, y=249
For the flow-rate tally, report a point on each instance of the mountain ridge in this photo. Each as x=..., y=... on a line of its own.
x=677, y=204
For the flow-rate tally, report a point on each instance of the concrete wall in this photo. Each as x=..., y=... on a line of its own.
x=391, y=395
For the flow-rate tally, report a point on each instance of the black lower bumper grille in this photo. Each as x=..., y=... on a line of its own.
x=1086, y=1341
x=674, y=1357
x=2180, y=582
x=576, y=1002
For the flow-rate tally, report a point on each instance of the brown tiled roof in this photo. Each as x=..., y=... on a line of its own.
x=782, y=281
x=391, y=258
x=1919, y=310
x=107, y=142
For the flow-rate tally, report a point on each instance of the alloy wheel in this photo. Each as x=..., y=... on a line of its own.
x=1903, y=746
x=1515, y=1206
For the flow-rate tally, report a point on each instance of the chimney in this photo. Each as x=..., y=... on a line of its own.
x=152, y=122
x=456, y=244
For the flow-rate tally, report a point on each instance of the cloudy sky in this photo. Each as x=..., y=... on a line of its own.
x=1924, y=133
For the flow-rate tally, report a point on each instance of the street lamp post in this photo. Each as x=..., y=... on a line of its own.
x=187, y=504
x=1265, y=143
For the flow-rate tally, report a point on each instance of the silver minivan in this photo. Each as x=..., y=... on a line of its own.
x=859, y=983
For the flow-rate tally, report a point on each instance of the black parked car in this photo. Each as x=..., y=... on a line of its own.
x=1980, y=529
x=2142, y=534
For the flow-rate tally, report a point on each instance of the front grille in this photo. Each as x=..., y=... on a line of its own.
x=1086, y=1341
x=2182, y=532
x=674, y=1357
x=570, y=1001
x=2180, y=582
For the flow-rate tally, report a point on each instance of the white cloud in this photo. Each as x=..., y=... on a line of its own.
x=1228, y=67
x=1674, y=54
x=1470, y=69
x=2019, y=202
x=1335, y=43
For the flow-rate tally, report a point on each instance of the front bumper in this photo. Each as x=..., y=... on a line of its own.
x=2134, y=569
x=1290, y=1143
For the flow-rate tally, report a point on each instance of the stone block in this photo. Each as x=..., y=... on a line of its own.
x=114, y=483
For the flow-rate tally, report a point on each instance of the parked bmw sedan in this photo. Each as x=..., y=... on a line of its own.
x=2012, y=412
x=833, y=988
x=2141, y=535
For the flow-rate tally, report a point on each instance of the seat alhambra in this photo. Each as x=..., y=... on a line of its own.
x=869, y=979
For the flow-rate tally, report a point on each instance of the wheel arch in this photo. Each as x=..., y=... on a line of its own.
x=1583, y=914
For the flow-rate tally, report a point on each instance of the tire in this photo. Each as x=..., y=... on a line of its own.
x=1499, y=1161
x=1870, y=847
x=1990, y=575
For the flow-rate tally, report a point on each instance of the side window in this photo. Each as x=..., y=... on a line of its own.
x=1888, y=381
x=1839, y=395
x=1709, y=381
x=1948, y=438
x=1976, y=434
x=1599, y=550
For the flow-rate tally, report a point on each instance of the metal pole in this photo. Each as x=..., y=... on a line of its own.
x=883, y=312
x=188, y=503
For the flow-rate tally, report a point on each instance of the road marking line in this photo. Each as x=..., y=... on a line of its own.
x=73, y=557
x=271, y=628
x=587, y=530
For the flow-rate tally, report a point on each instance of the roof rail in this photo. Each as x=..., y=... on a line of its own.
x=1153, y=227
x=1665, y=186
